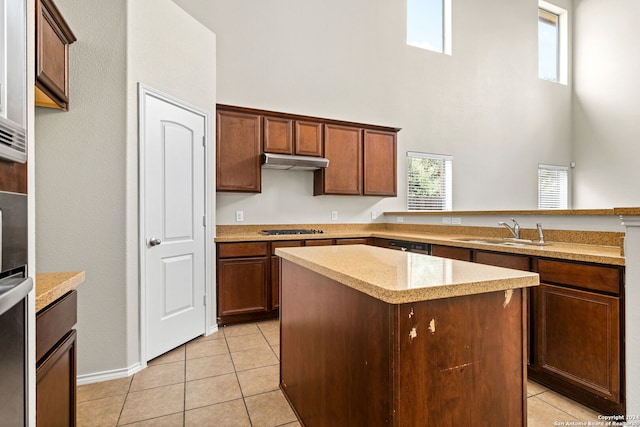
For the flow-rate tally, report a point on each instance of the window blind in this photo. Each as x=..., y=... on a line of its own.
x=553, y=187
x=429, y=182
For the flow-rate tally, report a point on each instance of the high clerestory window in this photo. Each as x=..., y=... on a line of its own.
x=552, y=43
x=553, y=187
x=429, y=25
x=429, y=185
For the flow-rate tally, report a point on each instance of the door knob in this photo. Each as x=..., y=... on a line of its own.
x=154, y=241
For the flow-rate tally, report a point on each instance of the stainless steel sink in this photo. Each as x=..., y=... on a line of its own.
x=505, y=242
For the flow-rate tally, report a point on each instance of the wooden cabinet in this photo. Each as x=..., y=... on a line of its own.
x=355, y=241
x=579, y=351
x=275, y=270
x=278, y=135
x=238, y=142
x=242, y=285
x=450, y=252
x=343, y=148
x=379, y=166
x=56, y=363
x=287, y=136
x=53, y=37
x=318, y=242
x=308, y=138
x=362, y=158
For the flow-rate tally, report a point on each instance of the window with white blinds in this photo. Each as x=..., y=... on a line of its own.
x=429, y=182
x=553, y=186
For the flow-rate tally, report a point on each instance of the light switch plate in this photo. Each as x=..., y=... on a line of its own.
x=334, y=215
x=456, y=221
x=239, y=216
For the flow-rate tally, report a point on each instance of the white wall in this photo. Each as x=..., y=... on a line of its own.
x=87, y=160
x=80, y=178
x=171, y=52
x=348, y=60
x=607, y=103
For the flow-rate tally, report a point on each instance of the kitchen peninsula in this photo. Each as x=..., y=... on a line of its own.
x=371, y=336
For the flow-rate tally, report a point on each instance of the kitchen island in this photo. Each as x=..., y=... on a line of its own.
x=371, y=336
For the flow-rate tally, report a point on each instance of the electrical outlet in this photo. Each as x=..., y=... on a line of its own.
x=456, y=221
x=446, y=220
x=374, y=214
x=400, y=219
x=334, y=215
x=239, y=216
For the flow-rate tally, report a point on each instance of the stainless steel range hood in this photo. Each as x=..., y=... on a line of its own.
x=296, y=163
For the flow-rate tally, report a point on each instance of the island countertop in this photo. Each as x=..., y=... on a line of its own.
x=398, y=277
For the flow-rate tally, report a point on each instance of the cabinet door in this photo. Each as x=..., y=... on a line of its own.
x=239, y=139
x=380, y=175
x=343, y=148
x=355, y=241
x=53, y=37
x=319, y=242
x=578, y=338
x=242, y=286
x=308, y=138
x=56, y=385
x=278, y=135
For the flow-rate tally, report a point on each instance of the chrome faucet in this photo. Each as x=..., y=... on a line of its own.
x=515, y=230
x=540, y=234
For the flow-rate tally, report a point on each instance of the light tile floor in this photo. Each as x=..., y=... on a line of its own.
x=229, y=379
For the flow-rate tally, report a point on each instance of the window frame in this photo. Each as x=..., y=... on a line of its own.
x=562, y=41
x=544, y=201
x=446, y=200
x=446, y=32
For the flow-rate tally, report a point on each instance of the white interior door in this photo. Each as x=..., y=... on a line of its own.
x=174, y=232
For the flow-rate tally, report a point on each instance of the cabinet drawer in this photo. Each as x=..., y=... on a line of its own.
x=239, y=250
x=461, y=254
x=286, y=244
x=54, y=322
x=353, y=241
x=319, y=242
x=594, y=277
x=517, y=262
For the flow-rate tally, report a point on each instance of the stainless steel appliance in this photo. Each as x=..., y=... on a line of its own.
x=421, y=248
x=13, y=80
x=14, y=287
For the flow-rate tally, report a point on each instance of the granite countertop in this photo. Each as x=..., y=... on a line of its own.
x=51, y=286
x=595, y=253
x=398, y=277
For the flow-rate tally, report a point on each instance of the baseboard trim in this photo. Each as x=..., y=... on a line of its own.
x=108, y=375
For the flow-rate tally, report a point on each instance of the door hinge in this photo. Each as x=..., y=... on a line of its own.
x=204, y=220
x=204, y=299
x=204, y=141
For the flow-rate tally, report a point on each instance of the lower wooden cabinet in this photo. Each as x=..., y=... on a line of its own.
x=450, y=252
x=242, y=286
x=578, y=339
x=577, y=330
x=56, y=363
x=56, y=385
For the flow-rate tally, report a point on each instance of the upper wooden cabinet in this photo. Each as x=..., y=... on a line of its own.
x=280, y=137
x=379, y=152
x=239, y=140
x=343, y=148
x=53, y=37
x=308, y=138
x=362, y=158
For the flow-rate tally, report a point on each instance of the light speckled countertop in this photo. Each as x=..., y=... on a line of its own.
x=583, y=246
x=51, y=286
x=398, y=277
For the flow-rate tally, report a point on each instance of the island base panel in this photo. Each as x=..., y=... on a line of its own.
x=349, y=359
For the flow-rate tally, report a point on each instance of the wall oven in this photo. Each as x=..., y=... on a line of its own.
x=14, y=287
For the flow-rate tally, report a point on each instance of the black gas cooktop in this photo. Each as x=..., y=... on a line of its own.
x=291, y=231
